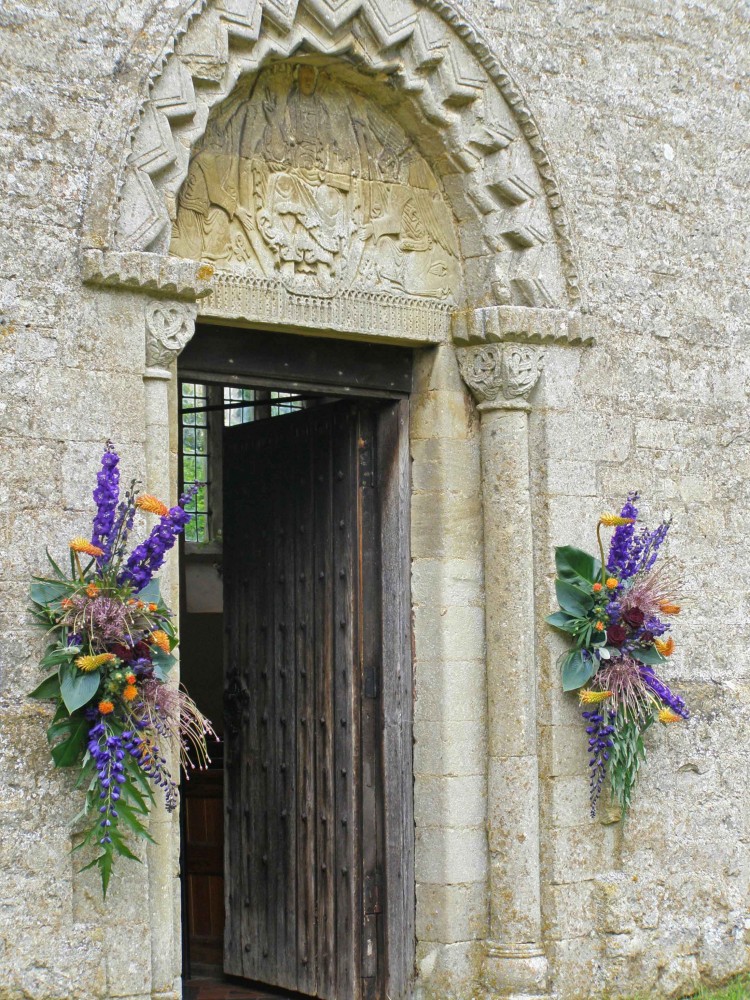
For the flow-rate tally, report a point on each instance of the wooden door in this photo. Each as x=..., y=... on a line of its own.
x=304, y=809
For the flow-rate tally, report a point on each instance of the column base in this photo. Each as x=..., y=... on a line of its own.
x=515, y=972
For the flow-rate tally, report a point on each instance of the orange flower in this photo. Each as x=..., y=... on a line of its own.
x=153, y=607
x=669, y=608
x=611, y=583
x=130, y=692
x=665, y=646
x=66, y=603
x=83, y=545
x=160, y=639
x=92, y=590
x=106, y=707
x=130, y=678
x=667, y=715
x=151, y=504
x=596, y=588
x=599, y=626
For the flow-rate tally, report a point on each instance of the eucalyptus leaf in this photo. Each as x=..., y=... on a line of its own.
x=563, y=621
x=572, y=599
x=576, y=671
x=150, y=593
x=77, y=688
x=163, y=663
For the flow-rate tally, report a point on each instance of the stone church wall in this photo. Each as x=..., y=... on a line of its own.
x=643, y=109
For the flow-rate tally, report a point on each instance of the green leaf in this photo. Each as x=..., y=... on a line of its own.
x=649, y=655
x=58, y=655
x=77, y=688
x=574, y=564
x=572, y=599
x=131, y=820
x=150, y=593
x=163, y=663
x=58, y=572
x=49, y=688
x=74, y=731
x=121, y=847
x=46, y=591
x=576, y=671
x=562, y=621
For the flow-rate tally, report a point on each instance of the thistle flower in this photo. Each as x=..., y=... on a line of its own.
x=615, y=520
x=651, y=591
x=81, y=544
x=612, y=583
x=665, y=646
x=130, y=692
x=92, y=590
x=151, y=505
x=160, y=639
x=669, y=608
x=589, y=697
x=666, y=715
x=89, y=663
x=106, y=707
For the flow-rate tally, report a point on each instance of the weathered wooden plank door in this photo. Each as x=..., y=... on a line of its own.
x=304, y=804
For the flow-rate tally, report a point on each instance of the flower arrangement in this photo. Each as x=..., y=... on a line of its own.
x=619, y=613
x=110, y=655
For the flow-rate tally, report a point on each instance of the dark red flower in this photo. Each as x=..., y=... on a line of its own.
x=142, y=651
x=616, y=634
x=122, y=653
x=634, y=617
x=646, y=637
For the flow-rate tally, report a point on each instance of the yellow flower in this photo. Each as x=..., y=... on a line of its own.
x=130, y=692
x=665, y=646
x=151, y=504
x=669, y=608
x=160, y=639
x=106, y=707
x=89, y=663
x=667, y=715
x=83, y=545
x=589, y=697
x=614, y=520
x=611, y=583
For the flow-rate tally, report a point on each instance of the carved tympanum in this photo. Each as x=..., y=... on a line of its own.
x=501, y=371
x=301, y=179
x=169, y=326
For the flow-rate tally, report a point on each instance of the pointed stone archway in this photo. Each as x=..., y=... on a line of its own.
x=468, y=251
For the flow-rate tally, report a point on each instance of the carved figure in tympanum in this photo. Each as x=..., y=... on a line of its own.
x=304, y=180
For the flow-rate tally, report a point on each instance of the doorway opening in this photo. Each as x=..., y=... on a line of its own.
x=295, y=641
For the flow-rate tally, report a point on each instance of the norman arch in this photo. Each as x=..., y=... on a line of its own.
x=369, y=170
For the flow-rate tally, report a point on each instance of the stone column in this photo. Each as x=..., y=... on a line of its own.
x=169, y=326
x=500, y=377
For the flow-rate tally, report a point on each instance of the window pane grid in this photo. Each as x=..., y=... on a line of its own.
x=195, y=458
x=280, y=403
x=238, y=414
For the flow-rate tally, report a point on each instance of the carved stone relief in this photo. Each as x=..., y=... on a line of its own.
x=303, y=180
x=169, y=326
x=501, y=371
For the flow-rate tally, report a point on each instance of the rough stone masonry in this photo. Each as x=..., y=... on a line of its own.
x=573, y=221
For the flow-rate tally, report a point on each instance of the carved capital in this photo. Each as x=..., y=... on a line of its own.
x=169, y=326
x=501, y=371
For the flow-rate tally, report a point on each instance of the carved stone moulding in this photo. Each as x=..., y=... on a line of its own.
x=491, y=324
x=353, y=311
x=147, y=272
x=169, y=326
x=500, y=372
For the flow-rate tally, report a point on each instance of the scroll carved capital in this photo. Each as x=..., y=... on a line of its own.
x=501, y=371
x=169, y=327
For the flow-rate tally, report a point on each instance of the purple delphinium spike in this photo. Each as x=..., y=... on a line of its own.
x=653, y=541
x=150, y=760
x=107, y=752
x=148, y=557
x=655, y=627
x=600, y=743
x=106, y=495
x=619, y=548
x=672, y=700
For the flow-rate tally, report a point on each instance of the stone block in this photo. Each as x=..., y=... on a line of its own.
x=450, y=691
x=451, y=632
x=446, y=856
x=450, y=801
x=449, y=748
x=448, y=913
